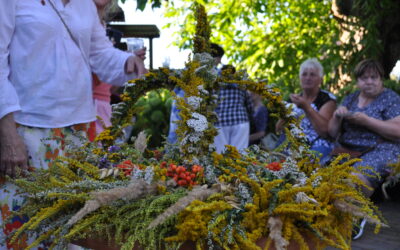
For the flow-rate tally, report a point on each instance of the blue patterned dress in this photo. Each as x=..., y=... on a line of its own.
x=316, y=142
x=386, y=106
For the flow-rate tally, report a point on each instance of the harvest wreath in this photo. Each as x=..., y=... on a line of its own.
x=130, y=195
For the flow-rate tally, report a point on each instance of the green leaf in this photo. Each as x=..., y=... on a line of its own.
x=141, y=4
x=156, y=4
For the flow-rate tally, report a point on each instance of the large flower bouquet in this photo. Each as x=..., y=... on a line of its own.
x=162, y=198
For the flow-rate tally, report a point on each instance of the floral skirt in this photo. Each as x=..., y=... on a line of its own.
x=43, y=145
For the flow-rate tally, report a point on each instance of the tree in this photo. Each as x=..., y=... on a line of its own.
x=379, y=23
x=271, y=38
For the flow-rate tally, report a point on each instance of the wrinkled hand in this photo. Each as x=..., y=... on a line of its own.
x=135, y=65
x=357, y=118
x=13, y=154
x=300, y=101
x=341, y=112
x=141, y=53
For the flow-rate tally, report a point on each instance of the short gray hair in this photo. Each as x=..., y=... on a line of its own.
x=312, y=63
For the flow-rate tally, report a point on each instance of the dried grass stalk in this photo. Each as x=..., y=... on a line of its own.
x=275, y=233
x=198, y=193
x=302, y=197
x=141, y=142
x=356, y=211
x=133, y=191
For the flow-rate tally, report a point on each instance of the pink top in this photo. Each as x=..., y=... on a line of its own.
x=101, y=90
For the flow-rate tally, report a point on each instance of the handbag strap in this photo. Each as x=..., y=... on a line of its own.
x=70, y=33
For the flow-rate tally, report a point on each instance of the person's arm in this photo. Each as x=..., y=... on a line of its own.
x=8, y=96
x=389, y=129
x=256, y=136
x=280, y=124
x=13, y=152
x=319, y=119
x=261, y=121
x=249, y=105
x=335, y=122
x=12, y=149
x=111, y=65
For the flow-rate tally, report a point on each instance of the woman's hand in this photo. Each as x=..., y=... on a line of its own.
x=13, y=153
x=135, y=65
x=300, y=101
x=359, y=118
x=141, y=53
x=279, y=126
x=341, y=112
x=335, y=122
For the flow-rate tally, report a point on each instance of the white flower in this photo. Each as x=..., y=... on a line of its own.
x=141, y=142
x=206, y=70
x=301, y=181
x=293, y=109
x=136, y=174
x=296, y=131
x=148, y=175
x=290, y=167
x=192, y=149
x=316, y=182
x=204, y=59
x=129, y=84
x=200, y=69
x=198, y=122
x=289, y=105
x=192, y=137
x=194, y=101
x=195, y=161
x=202, y=90
x=244, y=194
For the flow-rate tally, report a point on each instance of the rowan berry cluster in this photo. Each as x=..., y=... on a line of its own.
x=183, y=176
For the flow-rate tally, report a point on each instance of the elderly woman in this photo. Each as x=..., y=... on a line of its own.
x=368, y=121
x=315, y=104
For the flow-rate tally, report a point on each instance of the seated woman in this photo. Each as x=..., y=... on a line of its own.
x=369, y=121
x=317, y=105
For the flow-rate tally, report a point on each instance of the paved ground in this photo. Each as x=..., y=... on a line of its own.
x=387, y=238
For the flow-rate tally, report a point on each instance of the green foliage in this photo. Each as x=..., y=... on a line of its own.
x=112, y=221
x=153, y=116
x=269, y=39
x=393, y=85
x=371, y=25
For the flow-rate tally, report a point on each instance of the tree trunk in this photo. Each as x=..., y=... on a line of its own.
x=387, y=24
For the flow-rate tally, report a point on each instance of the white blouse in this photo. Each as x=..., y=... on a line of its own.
x=44, y=79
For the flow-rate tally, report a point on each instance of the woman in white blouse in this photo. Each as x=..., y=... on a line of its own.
x=48, y=49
